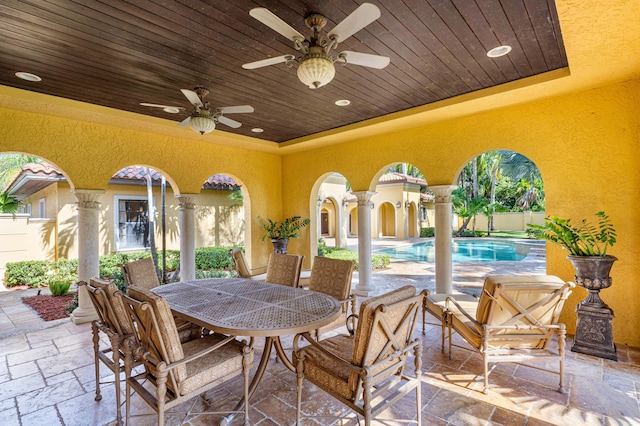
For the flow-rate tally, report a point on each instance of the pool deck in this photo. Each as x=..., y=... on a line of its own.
x=468, y=277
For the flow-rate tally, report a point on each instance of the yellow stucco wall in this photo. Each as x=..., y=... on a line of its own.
x=586, y=145
x=89, y=154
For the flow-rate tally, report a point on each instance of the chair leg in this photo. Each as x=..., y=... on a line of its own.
x=486, y=374
x=300, y=379
x=561, y=348
x=96, y=348
x=161, y=392
x=449, y=323
x=116, y=372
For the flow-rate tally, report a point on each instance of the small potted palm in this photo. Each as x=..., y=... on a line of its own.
x=281, y=232
x=587, y=246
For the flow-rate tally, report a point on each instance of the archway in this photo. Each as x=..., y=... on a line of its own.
x=334, y=204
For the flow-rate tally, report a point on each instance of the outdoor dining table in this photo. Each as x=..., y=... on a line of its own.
x=243, y=307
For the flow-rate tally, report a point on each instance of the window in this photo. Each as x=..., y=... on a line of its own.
x=423, y=214
x=42, y=208
x=132, y=223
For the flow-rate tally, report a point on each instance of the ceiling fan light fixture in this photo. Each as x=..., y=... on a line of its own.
x=202, y=123
x=316, y=68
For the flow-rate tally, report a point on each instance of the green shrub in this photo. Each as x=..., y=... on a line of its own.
x=71, y=306
x=378, y=261
x=427, y=232
x=208, y=258
x=27, y=272
x=215, y=273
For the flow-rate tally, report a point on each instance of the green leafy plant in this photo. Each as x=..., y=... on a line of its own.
x=59, y=286
x=286, y=229
x=584, y=239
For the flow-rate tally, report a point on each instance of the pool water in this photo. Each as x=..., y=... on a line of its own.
x=463, y=251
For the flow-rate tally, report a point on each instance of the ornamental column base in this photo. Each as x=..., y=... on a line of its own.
x=594, y=332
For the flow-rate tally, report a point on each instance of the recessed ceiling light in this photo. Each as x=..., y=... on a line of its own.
x=343, y=102
x=496, y=52
x=28, y=76
x=257, y=130
x=171, y=110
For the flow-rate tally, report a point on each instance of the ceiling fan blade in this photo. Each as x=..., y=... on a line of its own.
x=276, y=24
x=229, y=122
x=185, y=122
x=365, y=14
x=167, y=108
x=239, y=109
x=365, y=59
x=192, y=97
x=269, y=61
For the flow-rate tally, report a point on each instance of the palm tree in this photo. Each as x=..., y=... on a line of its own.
x=8, y=204
x=10, y=165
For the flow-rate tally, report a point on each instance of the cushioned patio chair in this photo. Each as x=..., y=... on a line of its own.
x=176, y=372
x=514, y=320
x=366, y=372
x=333, y=277
x=284, y=269
x=113, y=322
x=241, y=267
x=142, y=274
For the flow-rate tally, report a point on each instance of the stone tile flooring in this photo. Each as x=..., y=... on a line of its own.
x=47, y=377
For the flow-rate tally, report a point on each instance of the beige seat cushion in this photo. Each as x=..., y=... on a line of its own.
x=435, y=304
x=326, y=372
x=117, y=306
x=215, y=365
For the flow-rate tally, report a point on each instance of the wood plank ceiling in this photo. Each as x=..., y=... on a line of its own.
x=119, y=53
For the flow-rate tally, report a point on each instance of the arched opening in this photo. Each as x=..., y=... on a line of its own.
x=334, y=204
x=498, y=191
x=386, y=220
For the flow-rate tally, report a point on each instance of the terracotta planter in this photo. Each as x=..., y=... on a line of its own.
x=594, y=330
x=280, y=245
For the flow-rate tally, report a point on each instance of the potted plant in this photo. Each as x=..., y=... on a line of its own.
x=281, y=232
x=587, y=246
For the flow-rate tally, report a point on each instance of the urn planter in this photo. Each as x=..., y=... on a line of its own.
x=594, y=331
x=280, y=245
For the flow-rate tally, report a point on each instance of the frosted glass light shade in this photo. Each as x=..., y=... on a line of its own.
x=202, y=124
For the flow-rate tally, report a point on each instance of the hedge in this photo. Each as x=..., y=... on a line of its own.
x=36, y=273
x=378, y=261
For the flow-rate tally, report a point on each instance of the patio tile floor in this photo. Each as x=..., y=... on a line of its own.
x=47, y=378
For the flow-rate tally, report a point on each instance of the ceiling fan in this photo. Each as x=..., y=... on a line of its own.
x=316, y=65
x=204, y=120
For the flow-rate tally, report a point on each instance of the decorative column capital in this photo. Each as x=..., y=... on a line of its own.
x=88, y=198
x=187, y=201
x=364, y=198
x=443, y=192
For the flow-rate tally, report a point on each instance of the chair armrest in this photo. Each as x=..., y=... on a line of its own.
x=322, y=349
x=450, y=299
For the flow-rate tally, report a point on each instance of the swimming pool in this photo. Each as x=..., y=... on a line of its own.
x=471, y=250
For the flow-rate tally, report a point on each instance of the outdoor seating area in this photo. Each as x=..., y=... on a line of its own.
x=49, y=377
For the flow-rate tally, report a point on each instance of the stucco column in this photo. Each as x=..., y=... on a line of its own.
x=187, y=236
x=365, y=268
x=88, y=250
x=443, y=238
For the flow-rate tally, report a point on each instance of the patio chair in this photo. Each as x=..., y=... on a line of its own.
x=514, y=320
x=284, y=269
x=176, y=372
x=333, y=277
x=142, y=274
x=240, y=266
x=113, y=322
x=366, y=372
